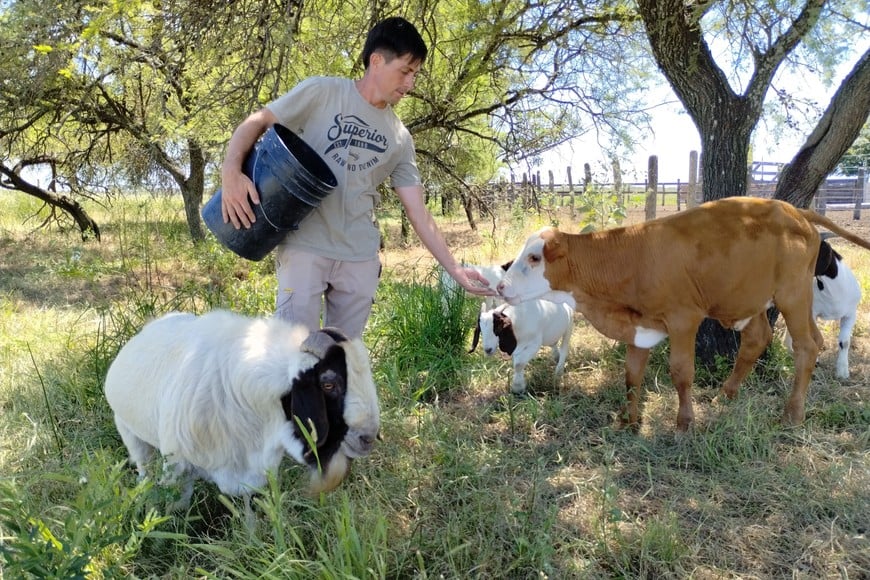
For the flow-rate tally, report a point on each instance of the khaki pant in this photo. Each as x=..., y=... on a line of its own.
x=312, y=287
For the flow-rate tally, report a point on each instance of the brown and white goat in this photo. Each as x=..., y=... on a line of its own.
x=728, y=260
x=522, y=330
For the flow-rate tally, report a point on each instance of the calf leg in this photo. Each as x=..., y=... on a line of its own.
x=805, y=342
x=635, y=366
x=682, y=363
x=518, y=384
x=754, y=338
x=178, y=472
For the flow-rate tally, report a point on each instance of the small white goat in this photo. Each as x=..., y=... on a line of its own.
x=520, y=331
x=450, y=289
x=836, y=294
x=221, y=396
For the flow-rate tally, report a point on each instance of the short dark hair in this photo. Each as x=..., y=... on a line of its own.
x=396, y=36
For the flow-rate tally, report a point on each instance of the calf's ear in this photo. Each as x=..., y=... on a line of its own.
x=553, y=250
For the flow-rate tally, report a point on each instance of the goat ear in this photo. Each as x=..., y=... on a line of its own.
x=502, y=324
x=308, y=405
x=826, y=263
x=476, y=337
x=318, y=342
x=503, y=328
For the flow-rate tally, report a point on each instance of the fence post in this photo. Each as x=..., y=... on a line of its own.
x=859, y=195
x=652, y=187
x=553, y=202
x=821, y=200
x=691, y=192
x=678, y=196
x=524, y=190
x=617, y=182
x=587, y=177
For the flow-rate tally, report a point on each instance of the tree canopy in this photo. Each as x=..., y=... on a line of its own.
x=722, y=59
x=103, y=97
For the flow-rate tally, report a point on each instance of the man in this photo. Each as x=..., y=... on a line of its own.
x=351, y=124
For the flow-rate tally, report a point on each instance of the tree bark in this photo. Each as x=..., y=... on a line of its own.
x=192, y=190
x=838, y=128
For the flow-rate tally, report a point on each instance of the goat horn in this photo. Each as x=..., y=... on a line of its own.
x=318, y=342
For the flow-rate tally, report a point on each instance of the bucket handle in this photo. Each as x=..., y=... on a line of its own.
x=254, y=179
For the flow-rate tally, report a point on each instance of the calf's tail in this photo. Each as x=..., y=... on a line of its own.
x=820, y=220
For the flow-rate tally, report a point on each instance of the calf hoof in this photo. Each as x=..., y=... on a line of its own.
x=628, y=421
x=793, y=417
x=684, y=423
x=729, y=390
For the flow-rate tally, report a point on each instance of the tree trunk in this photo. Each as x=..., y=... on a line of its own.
x=192, y=203
x=192, y=190
x=724, y=119
x=836, y=131
x=468, y=205
x=725, y=145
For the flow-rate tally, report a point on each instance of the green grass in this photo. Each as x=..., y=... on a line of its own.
x=468, y=482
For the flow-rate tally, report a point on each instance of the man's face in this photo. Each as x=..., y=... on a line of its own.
x=394, y=78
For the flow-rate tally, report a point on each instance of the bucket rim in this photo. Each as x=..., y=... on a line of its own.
x=284, y=134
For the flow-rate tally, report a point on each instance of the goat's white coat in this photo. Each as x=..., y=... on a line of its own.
x=838, y=300
x=205, y=391
x=535, y=323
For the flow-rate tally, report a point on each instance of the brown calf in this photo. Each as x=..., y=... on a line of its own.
x=728, y=259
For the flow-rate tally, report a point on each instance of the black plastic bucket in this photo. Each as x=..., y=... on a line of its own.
x=291, y=179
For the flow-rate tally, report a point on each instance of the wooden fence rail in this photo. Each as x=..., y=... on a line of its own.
x=837, y=192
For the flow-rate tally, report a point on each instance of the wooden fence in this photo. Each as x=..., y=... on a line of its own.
x=841, y=193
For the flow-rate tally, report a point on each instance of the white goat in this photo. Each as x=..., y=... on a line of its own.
x=836, y=295
x=520, y=331
x=222, y=397
x=450, y=290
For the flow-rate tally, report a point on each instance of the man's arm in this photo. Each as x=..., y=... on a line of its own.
x=424, y=224
x=235, y=185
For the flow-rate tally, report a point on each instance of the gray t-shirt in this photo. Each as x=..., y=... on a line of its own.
x=363, y=145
